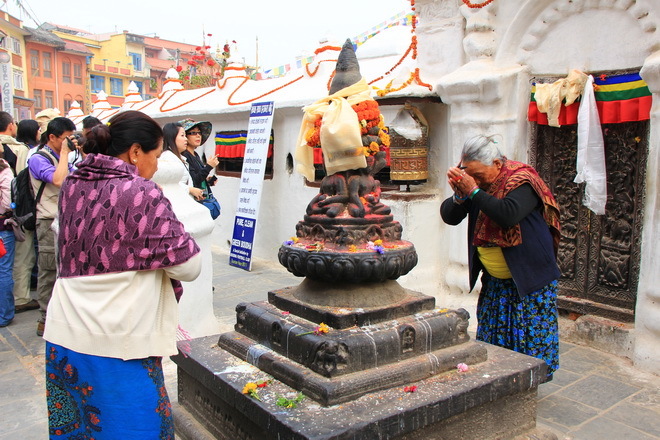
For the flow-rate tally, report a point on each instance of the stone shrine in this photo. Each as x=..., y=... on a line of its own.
x=373, y=360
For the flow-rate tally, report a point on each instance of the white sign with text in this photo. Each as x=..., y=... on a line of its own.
x=252, y=182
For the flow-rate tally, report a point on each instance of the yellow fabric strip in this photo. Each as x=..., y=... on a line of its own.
x=493, y=260
x=615, y=87
x=622, y=86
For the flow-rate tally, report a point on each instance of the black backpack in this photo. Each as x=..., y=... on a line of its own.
x=23, y=198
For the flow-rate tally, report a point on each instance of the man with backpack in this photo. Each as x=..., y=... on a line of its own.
x=24, y=257
x=48, y=170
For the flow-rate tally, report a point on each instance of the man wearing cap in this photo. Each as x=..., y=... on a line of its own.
x=197, y=133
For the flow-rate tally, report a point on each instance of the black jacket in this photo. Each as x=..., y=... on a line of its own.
x=532, y=263
x=198, y=170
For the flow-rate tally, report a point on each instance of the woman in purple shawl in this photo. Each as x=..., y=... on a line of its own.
x=113, y=314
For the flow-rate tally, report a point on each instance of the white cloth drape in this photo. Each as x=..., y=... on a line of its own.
x=591, y=152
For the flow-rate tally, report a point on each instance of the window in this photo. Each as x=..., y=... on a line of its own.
x=81, y=101
x=38, y=101
x=116, y=86
x=16, y=45
x=66, y=71
x=67, y=104
x=230, y=148
x=34, y=62
x=49, y=99
x=97, y=83
x=4, y=42
x=139, y=86
x=48, y=69
x=137, y=60
x=77, y=73
x=18, y=79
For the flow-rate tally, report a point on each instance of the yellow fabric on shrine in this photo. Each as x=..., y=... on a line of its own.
x=493, y=260
x=341, y=139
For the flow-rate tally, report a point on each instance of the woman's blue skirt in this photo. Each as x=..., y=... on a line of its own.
x=527, y=325
x=93, y=397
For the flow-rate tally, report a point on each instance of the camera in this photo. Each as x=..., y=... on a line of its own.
x=76, y=136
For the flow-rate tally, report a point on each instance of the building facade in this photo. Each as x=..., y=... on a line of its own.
x=57, y=73
x=15, y=93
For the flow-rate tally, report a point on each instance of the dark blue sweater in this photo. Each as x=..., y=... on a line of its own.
x=532, y=263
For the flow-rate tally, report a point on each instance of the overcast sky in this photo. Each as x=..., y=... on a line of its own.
x=285, y=28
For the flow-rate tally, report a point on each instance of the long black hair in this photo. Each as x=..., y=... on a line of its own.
x=170, y=132
x=27, y=132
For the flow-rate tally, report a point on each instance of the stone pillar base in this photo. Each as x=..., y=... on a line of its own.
x=495, y=399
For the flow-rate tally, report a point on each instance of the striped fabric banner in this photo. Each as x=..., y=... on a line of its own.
x=619, y=98
x=231, y=144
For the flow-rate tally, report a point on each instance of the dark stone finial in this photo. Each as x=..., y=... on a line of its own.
x=347, y=71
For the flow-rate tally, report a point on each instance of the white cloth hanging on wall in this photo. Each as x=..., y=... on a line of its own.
x=591, y=152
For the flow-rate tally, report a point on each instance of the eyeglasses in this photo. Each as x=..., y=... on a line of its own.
x=193, y=133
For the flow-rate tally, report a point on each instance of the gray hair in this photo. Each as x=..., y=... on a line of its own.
x=481, y=148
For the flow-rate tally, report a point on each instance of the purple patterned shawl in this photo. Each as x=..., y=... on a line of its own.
x=112, y=220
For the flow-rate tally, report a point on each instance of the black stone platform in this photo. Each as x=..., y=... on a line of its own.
x=375, y=302
x=495, y=399
x=394, y=346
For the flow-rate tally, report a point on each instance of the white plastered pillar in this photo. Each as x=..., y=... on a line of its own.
x=484, y=99
x=646, y=353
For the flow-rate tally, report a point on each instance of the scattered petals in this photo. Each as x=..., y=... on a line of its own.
x=319, y=330
x=410, y=389
x=462, y=368
x=322, y=328
x=286, y=313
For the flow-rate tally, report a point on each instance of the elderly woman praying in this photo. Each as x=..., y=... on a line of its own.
x=513, y=236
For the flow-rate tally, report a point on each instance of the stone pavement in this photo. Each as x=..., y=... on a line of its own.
x=594, y=395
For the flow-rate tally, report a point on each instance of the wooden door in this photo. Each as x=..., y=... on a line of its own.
x=598, y=254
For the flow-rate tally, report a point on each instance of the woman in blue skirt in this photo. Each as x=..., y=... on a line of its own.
x=113, y=314
x=513, y=237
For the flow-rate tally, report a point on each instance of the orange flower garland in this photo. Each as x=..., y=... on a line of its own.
x=369, y=117
x=324, y=48
x=183, y=103
x=245, y=79
x=476, y=5
x=311, y=74
x=412, y=48
x=313, y=135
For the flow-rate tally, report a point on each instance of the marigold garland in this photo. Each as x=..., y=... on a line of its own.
x=311, y=74
x=476, y=5
x=324, y=48
x=245, y=79
x=183, y=103
x=332, y=75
